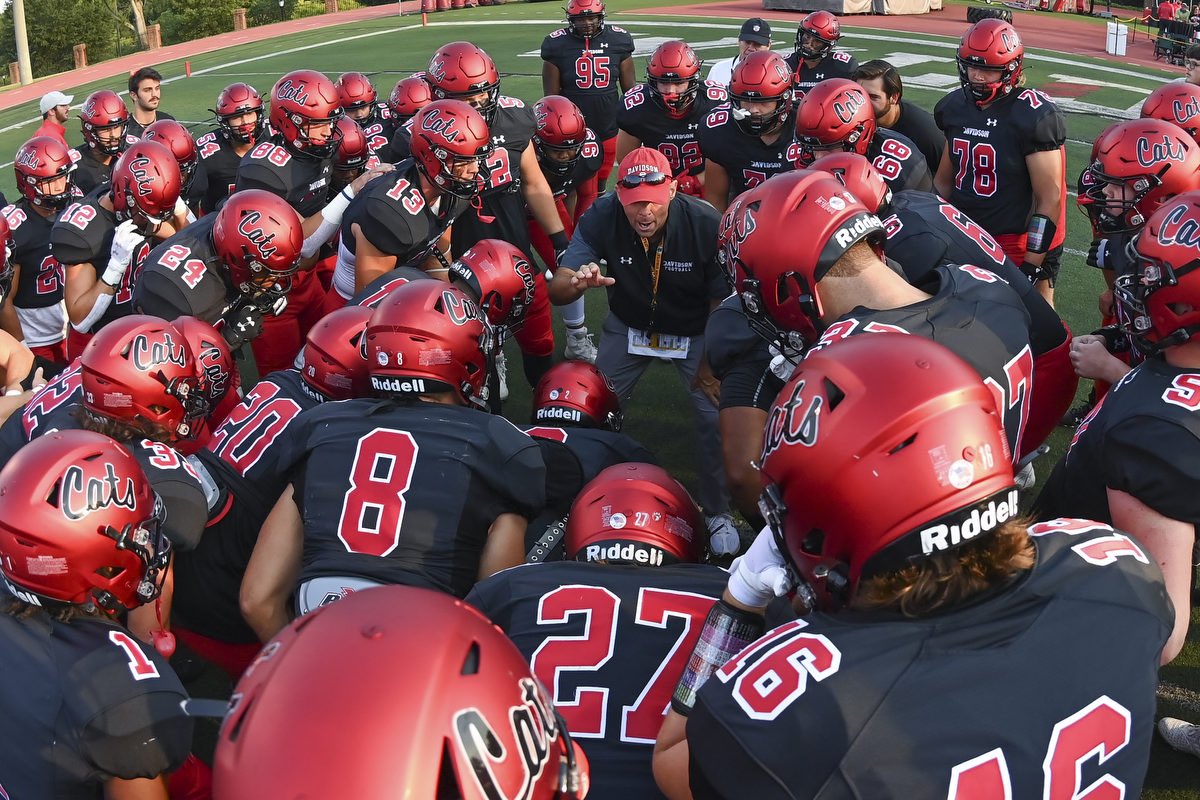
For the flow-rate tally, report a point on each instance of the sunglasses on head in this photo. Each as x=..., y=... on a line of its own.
x=654, y=178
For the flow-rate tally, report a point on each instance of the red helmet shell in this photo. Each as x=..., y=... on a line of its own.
x=38, y=161
x=258, y=237
x=1156, y=159
x=585, y=18
x=834, y=112
x=991, y=43
x=302, y=98
x=1161, y=298
x=860, y=177
x=332, y=360
x=822, y=30
x=635, y=513
x=353, y=153
x=895, y=434
x=356, y=91
x=499, y=277
x=409, y=96
x=216, y=370
x=465, y=719
x=576, y=393
x=561, y=127
x=102, y=110
x=1177, y=102
x=177, y=139
x=146, y=183
x=761, y=76
x=235, y=100
x=446, y=131
x=674, y=62
x=461, y=70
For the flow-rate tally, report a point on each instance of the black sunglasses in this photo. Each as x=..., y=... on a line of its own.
x=654, y=178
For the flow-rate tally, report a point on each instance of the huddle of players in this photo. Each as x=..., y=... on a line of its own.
x=414, y=448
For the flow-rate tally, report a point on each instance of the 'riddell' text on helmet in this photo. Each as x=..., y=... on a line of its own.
x=983, y=518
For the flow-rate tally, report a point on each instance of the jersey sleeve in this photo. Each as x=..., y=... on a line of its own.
x=549, y=49
x=521, y=478
x=390, y=232
x=1047, y=127
x=399, y=143
x=918, y=254
x=1152, y=459
x=159, y=296
x=722, y=766
x=254, y=174
x=142, y=737
x=70, y=246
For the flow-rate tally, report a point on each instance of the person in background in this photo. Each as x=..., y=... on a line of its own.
x=754, y=36
x=146, y=92
x=56, y=110
x=883, y=86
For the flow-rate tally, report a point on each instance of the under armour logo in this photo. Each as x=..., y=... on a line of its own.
x=991, y=123
x=498, y=139
x=624, y=260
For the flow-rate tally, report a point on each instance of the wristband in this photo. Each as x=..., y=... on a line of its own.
x=103, y=301
x=559, y=241
x=334, y=209
x=727, y=631
x=1040, y=234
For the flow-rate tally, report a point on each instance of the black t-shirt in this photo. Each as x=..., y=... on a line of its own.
x=301, y=180
x=987, y=154
x=90, y=172
x=858, y=705
x=590, y=70
x=690, y=279
x=646, y=619
x=740, y=358
x=136, y=129
x=183, y=277
x=677, y=139
x=220, y=163
x=747, y=159
x=918, y=125
x=835, y=64
x=84, y=701
x=40, y=276
x=455, y=469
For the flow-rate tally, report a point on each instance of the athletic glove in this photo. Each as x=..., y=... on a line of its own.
x=761, y=574
x=242, y=324
x=126, y=238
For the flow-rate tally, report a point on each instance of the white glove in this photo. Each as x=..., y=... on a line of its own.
x=182, y=210
x=761, y=574
x=782, y=365
x=126, y=238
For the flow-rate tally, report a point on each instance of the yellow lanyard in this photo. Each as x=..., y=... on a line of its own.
x=655, y=270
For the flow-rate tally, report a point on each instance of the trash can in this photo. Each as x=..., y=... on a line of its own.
x=1117, y=39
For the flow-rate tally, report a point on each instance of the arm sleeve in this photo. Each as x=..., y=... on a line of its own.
x=1048, y=132
x=564, y=475
x=522, y=479
x=142, y=737
x=1154, y=460
x=187, y=511
x=159, y=296
x=721, y=766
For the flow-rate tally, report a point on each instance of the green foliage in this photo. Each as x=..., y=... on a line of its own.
x=55, y=28
x=264, y=12
x=182, y=20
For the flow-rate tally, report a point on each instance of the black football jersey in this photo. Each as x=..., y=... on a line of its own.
x=394, y=216
x=987, y=153
x=47, y=410
x=677, y=139
x=596, y=448
x=39, y=275
x=182, y=277
x=89, y=172
x=877, y=705
x=220, y=163
x=373, y=293
x=899, y=162
x=1142, y=439
x=747, y=159
x=740, y=359
x=924, y=232
x=609, y=642
x=590, y=70
x=591, y=158
x=301, y=180
x=83, y=234
x=836, y=64
x=378, y=132
x=501, y=198
x=454, y=470
x=975, y=314
x=90, y=702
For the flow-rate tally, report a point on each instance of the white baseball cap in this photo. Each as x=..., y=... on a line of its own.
x=52, y=99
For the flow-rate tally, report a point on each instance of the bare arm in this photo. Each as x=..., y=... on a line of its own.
x=274, y=567
x=626, y=143
x=716, y=185
x=538, y=195
x=82, y=289
x=1046, y=176
x=369, y=261
x=627, y=77
x=16, y=360
x=942, y=179
x=551, y=79
x=136, y=789
x=569, y=285
x=505, y=545
x=671, y=757
x=741, y=445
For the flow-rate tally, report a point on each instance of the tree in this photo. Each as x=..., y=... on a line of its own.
x=54, y=30
x=182, y=20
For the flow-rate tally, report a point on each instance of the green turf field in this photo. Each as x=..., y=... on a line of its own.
x=659, y=414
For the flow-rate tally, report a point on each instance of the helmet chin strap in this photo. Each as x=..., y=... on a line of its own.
x=163, y=639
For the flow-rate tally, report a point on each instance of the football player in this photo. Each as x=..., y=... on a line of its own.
x=360, y=102
x=580, y=62
x=465, y=719
x=1178, y=103
x=468, y=480
x=886, y=496
x=631, y=586
x=44, y=172
x=102, y=119
x=354, y=157
x=836, y=116
x=1005, y=156
x=408, y=96
x=834, y=284
x=816, y=57
x=1130, y=461
x=232, y=268
x=240, y=121
x=98, y=711
x=191, y=171
x=752, y=138
x=665, y=112
x=103, y=239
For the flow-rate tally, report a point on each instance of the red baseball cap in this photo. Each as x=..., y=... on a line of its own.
x=644, y=175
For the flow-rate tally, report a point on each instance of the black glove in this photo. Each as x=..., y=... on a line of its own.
x=242, y=324
x=1098, y=254
x=1034, y=272
x=559, y=242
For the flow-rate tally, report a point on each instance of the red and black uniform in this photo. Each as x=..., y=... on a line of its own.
x=39, y=297
x=47, y=410
x=899, y=162
x=677, y=139
x=564, y=617
x=740, y=358
x=182, y=277
x=455, y=468
x=373, y=293
x=976, y=315
x=89, y=171
x=581, y=180
x=590, y=71
x=845, y=688
x=835, y=64
x=85, y=702
x=987, y=149
x=379, y=128
x=747, y=159
x=220, y=162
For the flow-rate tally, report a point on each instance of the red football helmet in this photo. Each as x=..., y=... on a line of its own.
x=901, y=440
x=353, y=153
x=857, y=174
x=834, y=113
x=817, y=34
x=79, y=523
x=500, y=278
x=177, y=139
x=300, y=100
x=990, y=44
x=1151, y=160
x=635, y=514
x=332, y=358
x=216, y=370
x=576, y=394
x=759, y=77
x=585, y=18
x=235, y=100
x=258, y=237
x=357, y=95
x=674, y=62
x=776, y=274
x=426, y=337
x=146, y=185
x=104, y=112
x=465, y=719
x=139, y=369
x=560, y=128
x=6, y=269
x=446, y=133
x=1161, y=298
x=41, y=161
x=1177, y=102
x=409, y=96
x=462, y=71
